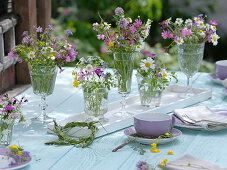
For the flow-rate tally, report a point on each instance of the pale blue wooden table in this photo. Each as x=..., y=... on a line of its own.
x=66, y=100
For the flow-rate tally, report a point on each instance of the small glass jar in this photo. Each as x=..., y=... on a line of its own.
x=6, y=130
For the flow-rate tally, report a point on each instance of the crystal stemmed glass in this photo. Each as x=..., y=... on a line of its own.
x=190, y=57
x=124, y=63
x=43, y=80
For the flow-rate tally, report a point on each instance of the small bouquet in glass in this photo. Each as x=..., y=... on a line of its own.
x=44, y=54
x=152, y=79
x=96, y=81
x=10, y=113
x=190, y=36
x=123, y=41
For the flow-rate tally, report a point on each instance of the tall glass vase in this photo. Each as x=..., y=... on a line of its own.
x=124, y=63
x=43, y=81
x=190, y=57
x=6, y=130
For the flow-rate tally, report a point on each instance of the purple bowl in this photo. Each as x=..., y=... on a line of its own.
x=220, y=69
x=153, y=124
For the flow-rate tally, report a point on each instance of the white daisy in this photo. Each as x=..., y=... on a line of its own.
x=129, y=20
x=51, y=56
x=188, y=21
x=196, y=19
x=201, y=33
x=179, y=21
x=179, y=40
x=31, y=55
x=201, y=24
x=106, y=26
x=214, y=39
x=164, y=73
x=168, y=20
x=89, y=68
x=147, y=64
x=213, y=27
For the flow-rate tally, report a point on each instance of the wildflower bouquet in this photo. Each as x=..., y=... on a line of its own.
x=9, y=112
x=43, y=49
x=190, y=31
x=128, y=35
x=95, y=82
x=152, y=78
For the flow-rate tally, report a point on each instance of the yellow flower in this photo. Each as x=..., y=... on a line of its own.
x=155, y=150
x=154, y=145
x=164, y=74
x=170, y=153
x=19, y=153
x=73, y=73
x=14, y=147
x=167, y=134
x=163, y=163
x=76, y=83
x=110, y=43
x=138, y=46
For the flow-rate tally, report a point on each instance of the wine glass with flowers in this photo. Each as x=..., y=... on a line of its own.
x=123, y=41
x=44, y=55
x=190, y=36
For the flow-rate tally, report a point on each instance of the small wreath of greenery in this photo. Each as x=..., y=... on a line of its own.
x=64, y=139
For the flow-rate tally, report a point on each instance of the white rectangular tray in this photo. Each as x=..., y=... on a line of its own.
x=170, y=100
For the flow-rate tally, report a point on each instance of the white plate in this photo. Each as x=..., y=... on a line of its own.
x=129, y=131
x=215, y=79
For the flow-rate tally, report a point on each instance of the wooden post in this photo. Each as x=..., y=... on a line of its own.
x=43, y=13
x=26, y=9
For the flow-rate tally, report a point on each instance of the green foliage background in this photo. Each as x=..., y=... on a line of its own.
x=82, y=13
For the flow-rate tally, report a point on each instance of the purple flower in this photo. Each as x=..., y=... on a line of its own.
x=121, y=38
x=48, y=34
x=101, y=36
x=24, y=33
x=103, y=75
x=132, y=29
x=142, y=165
x=67, y=59
x=85, y=61
x=9, y=108
x=119, y=11
x=213, y=22
x=67, y=12
x=11, y=55
x=186, y=32
x=145, y=52
x=103, y=50
x=27, y=40
x=131, y=41
x=152, y=55
x=68, y=32
x=121, y=45
x=56, y=39
x=123, y=23
x=138, y=23
x=166, y=34
x=200, y=15
x=98, y=71
x=20, y=60
x=50, y=27
x=39, y=29
x=158, y=75
x=95, y=26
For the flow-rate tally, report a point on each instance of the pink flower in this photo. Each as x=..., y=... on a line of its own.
x=67, y=12
x=101, y=36
x=152, y=55
x=67, y=59
x=131, y=41
x=186, y=32
x=11, y=55
x=9, y=108
x=145, y=52
x=20, y=60
x=213, y=22
x=103, y=51
x=138, y=23
x=132, y=29
x=166, y=34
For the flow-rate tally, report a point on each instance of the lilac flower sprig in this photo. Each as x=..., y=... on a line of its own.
x=128, y=36
x=18, y=154
x=194, y=30
x=44, y=50
x=92, y=74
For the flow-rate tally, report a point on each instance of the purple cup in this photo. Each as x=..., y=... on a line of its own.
x=153, y=124
x=221, y=69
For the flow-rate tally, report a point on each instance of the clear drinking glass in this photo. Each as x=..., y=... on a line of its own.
x=150, y=94
x=95, y=103
x=6, y=130
x=124, y=63
x=43, y=81
x=190, y=57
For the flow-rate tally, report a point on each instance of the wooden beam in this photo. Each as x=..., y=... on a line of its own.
x=26, y=9
x=43, y=12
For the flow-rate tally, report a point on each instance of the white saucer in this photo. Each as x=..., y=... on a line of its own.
x=175, y=132
x=215, y=78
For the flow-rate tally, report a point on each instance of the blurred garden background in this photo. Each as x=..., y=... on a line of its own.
x=78, y=15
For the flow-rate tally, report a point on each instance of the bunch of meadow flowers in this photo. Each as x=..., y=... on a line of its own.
x=190, y=31
x=43, y=49
x=128, y=36
x=152, y=69
x=93, y=74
